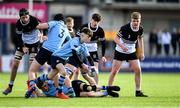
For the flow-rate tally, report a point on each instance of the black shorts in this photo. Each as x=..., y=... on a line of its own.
x=33, y=48
x=121, y=56
x=94, y=56
x=56, y=60
x=76, y=86
x=43, y=56
x=73, y=62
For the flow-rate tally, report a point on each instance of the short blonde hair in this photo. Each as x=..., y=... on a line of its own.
x=69, y=19
x=136, y=15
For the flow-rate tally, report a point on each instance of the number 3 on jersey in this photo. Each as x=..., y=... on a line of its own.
x=61, y=33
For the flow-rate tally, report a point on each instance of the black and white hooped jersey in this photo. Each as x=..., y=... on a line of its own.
x=98, y=35
x=29, y=32
x=128, y=38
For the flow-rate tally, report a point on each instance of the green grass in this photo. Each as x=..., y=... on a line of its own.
x=163, y=91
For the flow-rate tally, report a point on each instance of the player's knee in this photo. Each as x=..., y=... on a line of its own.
x=15, y=64
x=137, y=70
x=17, y=57
x=114, y=72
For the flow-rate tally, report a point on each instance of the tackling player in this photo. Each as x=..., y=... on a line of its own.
x=59, y=58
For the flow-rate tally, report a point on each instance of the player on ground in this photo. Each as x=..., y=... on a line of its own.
x=59, y=58
x=125, y=49
x=81, y=88
x=98, y=35
x=27, y=43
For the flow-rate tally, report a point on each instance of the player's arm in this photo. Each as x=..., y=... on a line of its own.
x=76, y=57
x=42, y=26
x=102, y=39
x=19, y=42
x=117, y=38
x=141, y=46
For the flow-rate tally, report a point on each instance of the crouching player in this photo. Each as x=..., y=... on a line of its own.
x=59, y=58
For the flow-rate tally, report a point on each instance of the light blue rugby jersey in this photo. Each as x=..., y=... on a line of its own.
x=52, y=89
x=57, y=34
x=66, y=50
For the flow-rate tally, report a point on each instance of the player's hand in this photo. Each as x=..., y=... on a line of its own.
x=26, y=50
x=124, y=48
x=104, y=59
x=141, y=57
x=44, y=38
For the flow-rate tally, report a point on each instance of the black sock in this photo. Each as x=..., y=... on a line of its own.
x=10, y=86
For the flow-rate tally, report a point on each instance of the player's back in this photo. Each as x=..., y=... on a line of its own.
x=66, y=50
x=57, y=34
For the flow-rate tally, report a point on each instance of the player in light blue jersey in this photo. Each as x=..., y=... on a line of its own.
x=72, y=48
x=57, y=34
x=82, y=89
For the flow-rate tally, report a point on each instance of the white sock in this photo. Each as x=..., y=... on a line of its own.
x=11, y=82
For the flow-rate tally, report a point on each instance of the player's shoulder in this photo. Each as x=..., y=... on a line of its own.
x=18, y=22
x=75, y=39
x=126, y=26
x=33, y=18
x=141, y=28
x=100, y=28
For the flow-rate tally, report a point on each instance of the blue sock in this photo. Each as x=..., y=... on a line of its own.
x=43, y=78
x=61, y=83
x=70, y=90
x=105, y=93
x=104, y=88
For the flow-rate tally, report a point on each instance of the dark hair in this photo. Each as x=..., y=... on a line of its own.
x=59, y=17
x=39, y=84
x=96, y=17
x=23, y=11
x=87, y=31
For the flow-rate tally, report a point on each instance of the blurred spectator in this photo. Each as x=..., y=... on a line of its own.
x=174, y=40
x=166, y=41
x=159, y=42
x=152, y=42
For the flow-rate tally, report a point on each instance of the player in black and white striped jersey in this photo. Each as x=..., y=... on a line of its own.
x=98, y=35
x=27, y=42
x=125, y=50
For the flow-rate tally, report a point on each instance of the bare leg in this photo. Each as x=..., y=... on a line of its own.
x=34, y=68
x=135, y=66
x=16, y=62
x=96, y=77
x=115, y=69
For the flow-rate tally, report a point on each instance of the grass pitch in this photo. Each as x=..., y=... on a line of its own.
x=163, y=91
